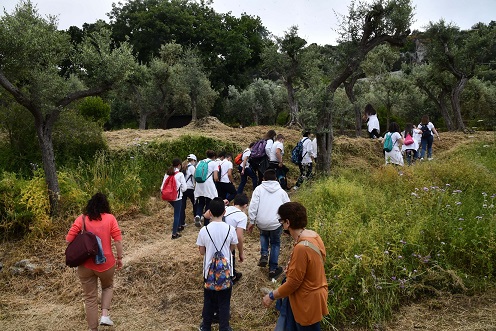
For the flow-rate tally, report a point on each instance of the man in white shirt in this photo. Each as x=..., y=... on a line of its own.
x=306, y=163
x=276, y=161
x=224, y=185
x=189, y=175
x=264, y=204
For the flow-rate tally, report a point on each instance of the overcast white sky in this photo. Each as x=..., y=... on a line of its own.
x=315, y=18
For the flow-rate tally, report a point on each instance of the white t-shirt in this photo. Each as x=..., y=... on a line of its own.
x=190, y=176
x=394, y=156
x=208, y=188
x=225, y=165
x=373, y=123
x=429, y=125
x=307, y=150
x=272, y=155
x=314, y=145
x=235, y=217
x=218, y=231
x=246, y=155
x=268, y=146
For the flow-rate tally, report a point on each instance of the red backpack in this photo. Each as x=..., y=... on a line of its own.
x=239, y=159
x=170, y=191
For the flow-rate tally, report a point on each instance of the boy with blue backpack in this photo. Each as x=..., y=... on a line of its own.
x=206, y=174
x=303, y=155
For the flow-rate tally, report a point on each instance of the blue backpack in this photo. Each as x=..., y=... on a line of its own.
x=201, y=171
x=388, y=142
x=297, y=152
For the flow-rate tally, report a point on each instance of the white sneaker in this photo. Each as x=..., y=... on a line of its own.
x=105, y=320
x=197, y=221
x=429, y=159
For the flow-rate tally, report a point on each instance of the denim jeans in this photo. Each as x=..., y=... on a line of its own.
x=286, y=321
x=244, y=177
x=189, y=194
x=272, y=238
x=426, y=144
x=216, y=300
x=177, y=214
x=202, y=205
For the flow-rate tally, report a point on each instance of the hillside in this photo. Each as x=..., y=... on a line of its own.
x=159, y=287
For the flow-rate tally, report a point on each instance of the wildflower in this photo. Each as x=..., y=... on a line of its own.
x=448, y=185
x=457, y=191
x=393, y=278
x=403, y=242
x=414, y=270
x=458, y=203
x=415, y=194
x=460, y=229
x=352, y=298
x=426, y=259
x=493, y=196
x=132, y=157
x=443, y=243
x=461, y=219
x=447, y=206
x=484, y=205
x=484, y=194
x=426, y=189
x=386, y=252
x=358, y=257
x=379, y=287
x=478, y=217
x=414, y=255
x=400, y=257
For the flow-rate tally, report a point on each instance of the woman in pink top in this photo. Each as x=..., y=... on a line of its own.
x=98, y=220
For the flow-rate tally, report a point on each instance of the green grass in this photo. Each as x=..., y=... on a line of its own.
x=393, y=236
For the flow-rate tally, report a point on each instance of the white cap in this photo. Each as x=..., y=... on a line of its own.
x=191, y=157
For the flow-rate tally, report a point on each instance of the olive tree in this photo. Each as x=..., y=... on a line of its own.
x=31, y=51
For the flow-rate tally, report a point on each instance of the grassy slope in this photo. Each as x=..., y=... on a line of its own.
x=160, y=286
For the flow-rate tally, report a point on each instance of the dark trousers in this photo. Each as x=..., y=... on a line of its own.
x=305, y=173
x=189, y=194
x=202, y=205
x=226, y=190
x=249, y=172
x=374, y=134
x=286, y=321
x=213, y=300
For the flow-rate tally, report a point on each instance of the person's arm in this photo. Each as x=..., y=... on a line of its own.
x=253, y=209
x=202, y=250
x=229, y=175
x=436, y=133
x=279, y=156
x=240, y=233
x=118, y=258
x=183, y=187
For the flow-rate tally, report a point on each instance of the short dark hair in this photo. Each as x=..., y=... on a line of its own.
x=394, y=127
x=240, y=199
x=295, y=213
x=97, y=205
x=306, y=133
x=211, y=154
x=217, y=207
x=269, y=174
x=222, y=154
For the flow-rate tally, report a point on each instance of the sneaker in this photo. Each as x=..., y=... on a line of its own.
x=264, y=259
x=429, y=159
x=197, y=221
x=181, y=228
x=105, y=320
x=175, y=236
x=236, y=277
x=275, y=273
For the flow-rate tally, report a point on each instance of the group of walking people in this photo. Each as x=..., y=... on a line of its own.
x=302, y=299
x=411, y=144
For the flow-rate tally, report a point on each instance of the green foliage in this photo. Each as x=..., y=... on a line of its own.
x=94, y=109
x=76, y=138
x=394, y=236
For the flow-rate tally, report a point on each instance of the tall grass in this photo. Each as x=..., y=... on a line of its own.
x=396, y=234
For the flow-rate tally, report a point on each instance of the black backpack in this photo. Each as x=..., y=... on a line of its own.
x=426, y=133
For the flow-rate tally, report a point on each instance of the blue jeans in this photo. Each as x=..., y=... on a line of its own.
x=244, y=177
x=286, y=321
x=272, y=238
x=426, y=144
x=202, y=205
x=177, y=214
x=220, y=301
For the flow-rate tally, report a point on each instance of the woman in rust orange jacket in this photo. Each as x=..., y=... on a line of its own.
x=98, y=220
x=306, y=283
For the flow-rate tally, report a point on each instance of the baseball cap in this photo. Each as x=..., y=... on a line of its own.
x=191, y=156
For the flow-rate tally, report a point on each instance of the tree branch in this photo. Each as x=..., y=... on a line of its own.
x=83, y=94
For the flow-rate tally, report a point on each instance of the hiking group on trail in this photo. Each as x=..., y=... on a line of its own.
x=209, y=185
x=410, y=144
